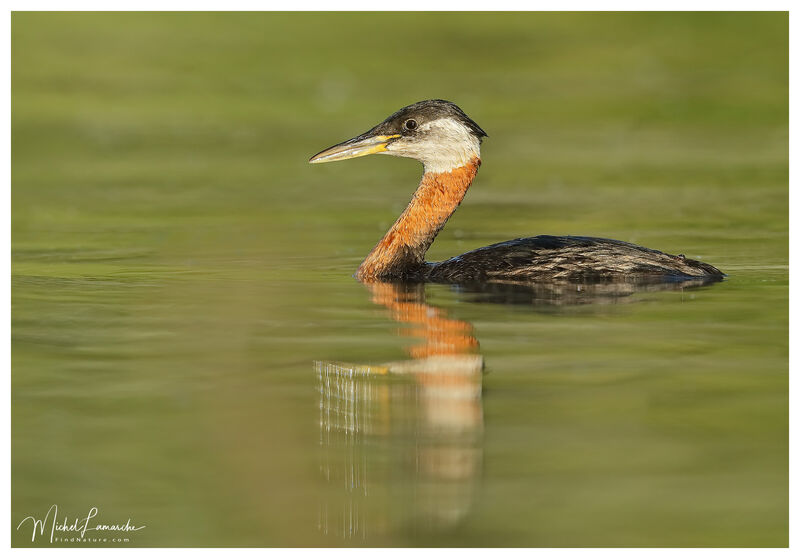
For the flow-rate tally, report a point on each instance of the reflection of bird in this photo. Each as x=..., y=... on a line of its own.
x=447, y=142
x=369, y=423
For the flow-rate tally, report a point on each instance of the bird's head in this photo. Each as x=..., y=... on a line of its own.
x=437, y=133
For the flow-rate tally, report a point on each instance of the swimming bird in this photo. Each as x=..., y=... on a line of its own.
x=447, y=142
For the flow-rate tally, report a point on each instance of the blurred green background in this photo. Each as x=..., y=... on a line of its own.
x=177, y=266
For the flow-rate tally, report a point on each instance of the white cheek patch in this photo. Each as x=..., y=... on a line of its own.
x=441, y=145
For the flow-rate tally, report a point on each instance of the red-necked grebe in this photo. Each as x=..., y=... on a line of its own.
x=447, y=142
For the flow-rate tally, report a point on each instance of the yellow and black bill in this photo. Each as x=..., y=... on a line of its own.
x=365, y=144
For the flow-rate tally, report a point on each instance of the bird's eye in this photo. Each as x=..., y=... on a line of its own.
x=410, y=124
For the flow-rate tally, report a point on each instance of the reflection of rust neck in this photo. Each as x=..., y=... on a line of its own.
x=442, y=335
x=401, y=252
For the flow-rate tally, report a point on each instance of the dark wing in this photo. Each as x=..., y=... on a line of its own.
x=547, y=258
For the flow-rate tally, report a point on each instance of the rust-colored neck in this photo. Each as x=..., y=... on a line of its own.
x=401, y=252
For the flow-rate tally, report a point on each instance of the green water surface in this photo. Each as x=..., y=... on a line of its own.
x=178, y=267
